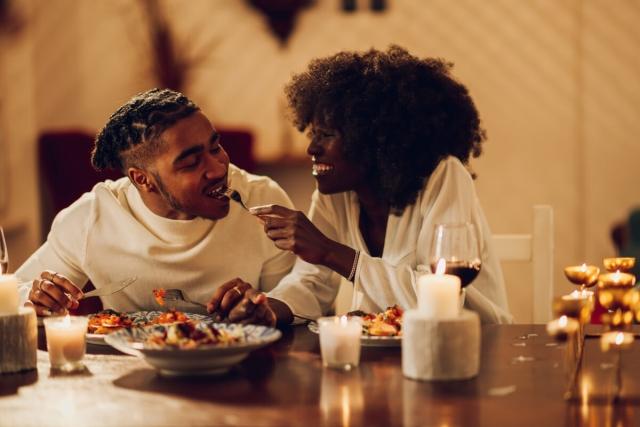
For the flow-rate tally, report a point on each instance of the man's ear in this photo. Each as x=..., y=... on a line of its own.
x=142, y=179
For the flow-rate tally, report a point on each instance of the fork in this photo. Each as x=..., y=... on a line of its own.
x=178, y=295
x=111, y=288
x=235, y=196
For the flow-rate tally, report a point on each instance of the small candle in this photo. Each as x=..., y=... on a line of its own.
x=439, y=294
x=340, y=341
x=586, y=275
x=617, y=279
x=562, y=327
x=8, y=294
x=619, y=263
x=66, y=341
x=616, y=340
x=577, y=305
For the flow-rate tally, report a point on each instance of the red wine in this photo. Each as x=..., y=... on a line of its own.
x=466, y=271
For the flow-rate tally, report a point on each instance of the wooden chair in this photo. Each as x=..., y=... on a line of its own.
x=538, y=249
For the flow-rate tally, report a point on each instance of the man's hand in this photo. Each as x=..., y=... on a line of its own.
x=238, y=302
x=53, y=293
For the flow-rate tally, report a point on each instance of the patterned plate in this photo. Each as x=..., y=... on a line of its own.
x=140, y=318
x=367, y=340
x=203, y=360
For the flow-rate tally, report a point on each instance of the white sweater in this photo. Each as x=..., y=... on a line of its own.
x=109, y=235
x=448, y=196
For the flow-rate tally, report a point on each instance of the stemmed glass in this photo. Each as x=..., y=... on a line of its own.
x=456, y=244
x=4, y=254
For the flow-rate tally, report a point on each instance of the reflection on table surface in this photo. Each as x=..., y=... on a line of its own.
x=521, y=382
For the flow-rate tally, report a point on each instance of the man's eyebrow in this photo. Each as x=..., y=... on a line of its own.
x=188, y=152
x=196, y=149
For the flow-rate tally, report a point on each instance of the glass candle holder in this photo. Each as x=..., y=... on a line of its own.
x=66, y=341
x=340, y=341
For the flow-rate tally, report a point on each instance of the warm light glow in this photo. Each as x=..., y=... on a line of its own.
x=441, y=267
x=344, y=320
x=563, y=321
x=583, y=267
x=616, y=276
x=619, y=338
x=346, y=405
x=66, y=321
x=585, y=390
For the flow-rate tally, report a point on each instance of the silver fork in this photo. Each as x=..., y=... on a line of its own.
x=235, y=196
x=178, y=295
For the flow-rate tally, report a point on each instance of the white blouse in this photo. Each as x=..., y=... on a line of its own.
x=449, y=196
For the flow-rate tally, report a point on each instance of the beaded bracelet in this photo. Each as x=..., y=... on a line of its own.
x=352, y=274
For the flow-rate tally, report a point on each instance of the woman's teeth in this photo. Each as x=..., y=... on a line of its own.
x=320, y=169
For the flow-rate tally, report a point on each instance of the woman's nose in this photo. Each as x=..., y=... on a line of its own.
x=314, y=148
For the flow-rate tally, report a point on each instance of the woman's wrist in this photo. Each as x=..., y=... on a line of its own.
x=342, y=259
x=283, y=313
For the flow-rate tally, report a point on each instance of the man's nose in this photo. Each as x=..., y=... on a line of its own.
x=216, y=167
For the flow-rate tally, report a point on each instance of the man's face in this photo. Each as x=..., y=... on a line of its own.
x=191, y=164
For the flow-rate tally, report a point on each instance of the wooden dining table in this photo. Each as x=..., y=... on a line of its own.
x=522, y=380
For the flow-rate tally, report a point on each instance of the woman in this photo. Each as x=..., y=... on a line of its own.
x=389, y=137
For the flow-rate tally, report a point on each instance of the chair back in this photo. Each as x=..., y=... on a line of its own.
x=536, y=248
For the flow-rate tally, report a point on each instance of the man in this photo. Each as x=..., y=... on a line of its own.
x=166, y=222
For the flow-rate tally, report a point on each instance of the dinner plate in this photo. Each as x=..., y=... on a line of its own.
x=139, y=318
x=209, y=359
x=367, y=340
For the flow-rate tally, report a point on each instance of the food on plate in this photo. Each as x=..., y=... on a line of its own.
x=385, y=324
x=107, y=321
x=189, y=335
x=159, y=294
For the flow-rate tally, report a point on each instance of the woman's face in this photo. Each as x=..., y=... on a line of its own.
x=333, y=173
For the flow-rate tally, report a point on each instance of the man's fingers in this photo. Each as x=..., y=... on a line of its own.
x=215, y=300
x=55, y=292
x=63, y=282
x=39, y=297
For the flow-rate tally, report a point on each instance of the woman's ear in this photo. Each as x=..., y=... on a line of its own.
x=142, y=180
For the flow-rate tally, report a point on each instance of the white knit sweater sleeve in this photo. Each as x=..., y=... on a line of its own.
x=310, y=290
x=64, y=251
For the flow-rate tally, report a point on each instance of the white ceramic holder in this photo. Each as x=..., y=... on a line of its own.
x=18, y=341
x=440, y=349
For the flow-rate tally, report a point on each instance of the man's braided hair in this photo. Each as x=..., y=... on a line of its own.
x=130, y=137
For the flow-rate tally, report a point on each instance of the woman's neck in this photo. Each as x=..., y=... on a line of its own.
x=373, y=206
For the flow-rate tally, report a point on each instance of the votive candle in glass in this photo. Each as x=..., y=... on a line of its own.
x=66, y=341
x=340, y=341
x=439, y=295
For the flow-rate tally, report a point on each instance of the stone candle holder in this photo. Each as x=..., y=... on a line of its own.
x=440, y=349
x=18, y=341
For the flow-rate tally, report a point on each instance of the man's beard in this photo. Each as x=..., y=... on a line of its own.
x=167, y=196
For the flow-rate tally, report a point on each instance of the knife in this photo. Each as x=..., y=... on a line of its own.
x=111, y=288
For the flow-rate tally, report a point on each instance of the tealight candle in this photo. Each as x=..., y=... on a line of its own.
x=584, y=275
x=66, y=341
x=439, y=295
x=340, y=341
x=619, y=263
x=8, y=294
x=616, y=340
x=617, y=279
x=577, y=305
x=562, y=327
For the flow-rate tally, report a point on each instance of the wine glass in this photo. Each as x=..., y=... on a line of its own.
x=4, y=255
x=455, y=245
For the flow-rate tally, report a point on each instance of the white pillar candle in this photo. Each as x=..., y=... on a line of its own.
x=8, y=294
x=66, y=341
x=439, y=295
x=340, y=341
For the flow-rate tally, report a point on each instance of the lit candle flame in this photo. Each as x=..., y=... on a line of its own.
x=344, y=320
x=563, y=321
x=583, y=267
x=616, y=276
x=441, y=267
x=619, y=338
x=66, y=321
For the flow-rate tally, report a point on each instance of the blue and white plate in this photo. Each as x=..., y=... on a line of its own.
x=139, y=318
x=203, y=360
x=367, y=340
